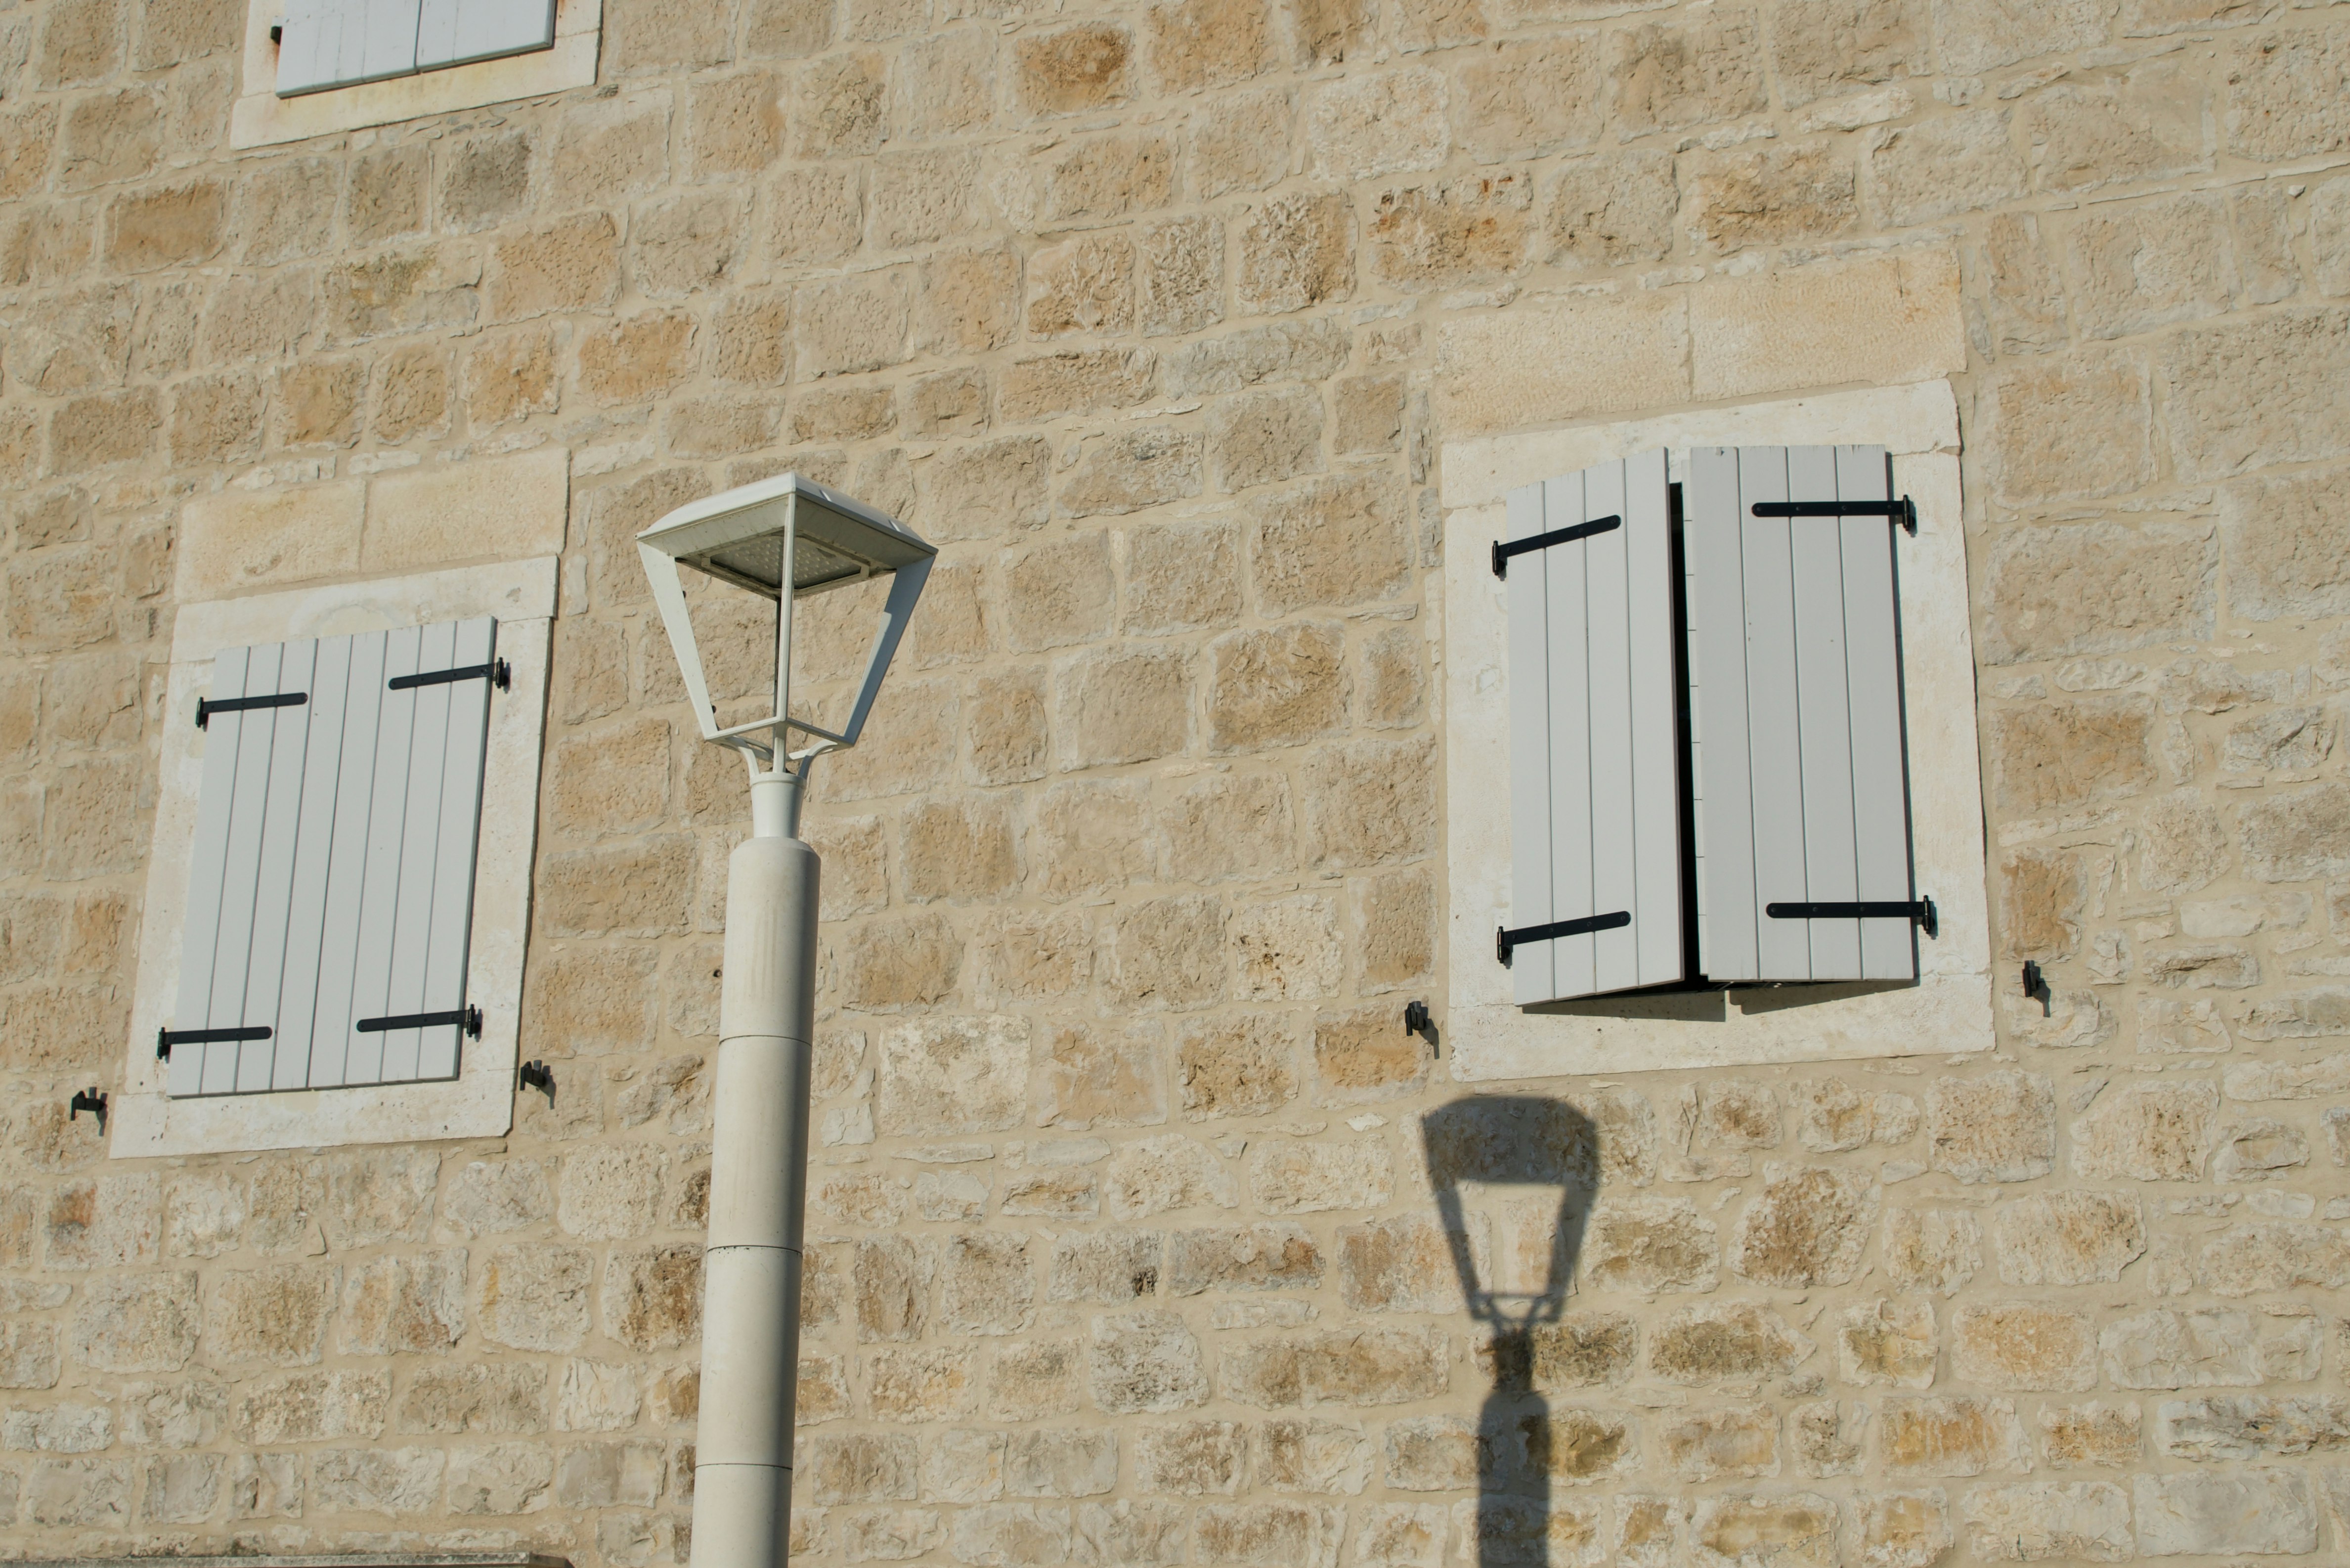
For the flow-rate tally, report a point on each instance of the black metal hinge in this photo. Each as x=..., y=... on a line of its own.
x=206, y=707
x=468, y=1018
x=1922, y=912
x=1503, y=940
x=167, y=1038
x=1504, y=550
x=1904, y=510
x=500, y=675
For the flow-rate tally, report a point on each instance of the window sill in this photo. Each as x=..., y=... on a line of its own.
x=261, y=118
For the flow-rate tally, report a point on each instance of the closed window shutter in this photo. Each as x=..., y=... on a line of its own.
x=331, y=878
x=341, y=42
x=1595, y=771
x=1795, y=717
x=452, y=32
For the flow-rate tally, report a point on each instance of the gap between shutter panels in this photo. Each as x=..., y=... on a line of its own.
x=378, y=863
x=1792, y=772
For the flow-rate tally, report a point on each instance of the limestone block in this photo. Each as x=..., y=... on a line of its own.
x=1287, y=1176
x=1050, y=1462
x=114, y=1221
x=2196, y=1513
x=2298, y=834
x=1145, y=1361
x=846, y=106
x=1887, y=318
x=1378, y=124
x=918, y=198
x=1295, y=250
x=2038, y=1521
x=637, y=359
x=1711, y=1343
x=855, y=324
x=500, y=1479
x=534, y=1298
x=1164, y=1174
x=2023, y=1346
x=2159, y=582
x=987, y=488
x=1132, y=470
x=1820, y=48
x=1033, y=955
x=1362, y=1367
x=858, y=1468
x=389, y=1481
x=1082, y=286
x=1101, y=1074
x=1034, y=1378
x=644, y=888
x=949, y=403
x=2250, y=1426
x=1092, y=837
x=1243, y=143
x=145, y=1322
x=29, y=1356
x=1650, y=1244
x=465, y=1397
x=1454, y=234
x=1192, y=1458
x=1234, y=1067
x=77, y=1493
x=1528, y=99
x=958, y=849
x=1798, y=1530
x=172, y=225
x=2267, y=108
x=1886, y=1342
x=2072, y=1436
x=1735, y=1442
x=1780, y=195
x=1123, y=704
x=816, y=216
x=1403, y=1264
x=941, y=85
x=953, y=1075
x=1180, y=276
x=893, y=964
x=2247, y=395
x=1111, y=1266
x=919, y=1383
x=2246, y=1259
x=1265, y=436
x=1331, y=1459
x=1951, y=1437
x=1559, y=363
x=2282, y=559
x=1808, y=1227
x=1672, y=76
x=1277, y=351
x=1076, y=68
x=1181, y=576
x=1168, y=952
x=1361, y=1056
x=2067, y=1238
x=240, y=539
x=413, y=1305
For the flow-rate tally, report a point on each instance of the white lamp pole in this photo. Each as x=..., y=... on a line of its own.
x=782, y=537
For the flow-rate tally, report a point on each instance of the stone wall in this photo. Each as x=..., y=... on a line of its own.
x=1152, y=315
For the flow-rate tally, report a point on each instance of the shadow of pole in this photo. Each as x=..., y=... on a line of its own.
x=1514, y=1143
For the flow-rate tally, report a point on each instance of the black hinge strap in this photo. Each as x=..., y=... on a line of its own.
x=206, y=707
x=467, y=1018
x=1503, y=940
x=1504, y=550
x=500, y=675
x=1921, y=911
x=167, y=1038
x=1904, y=510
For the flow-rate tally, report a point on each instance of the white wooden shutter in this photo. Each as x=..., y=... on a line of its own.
x=1796, y=723
x=330, y=886
x=452, y=32
x=1594, y=756
x=340, y=43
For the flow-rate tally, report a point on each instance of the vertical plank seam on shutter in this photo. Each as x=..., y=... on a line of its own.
x=1525, y=604
x=447, y=961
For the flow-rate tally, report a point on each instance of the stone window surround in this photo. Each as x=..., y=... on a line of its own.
x=261, y=118
x=479, y=1103
x=1949, y=1011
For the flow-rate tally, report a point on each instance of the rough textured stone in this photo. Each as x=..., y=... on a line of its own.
x=2024, y=1345
x=2039, y=1521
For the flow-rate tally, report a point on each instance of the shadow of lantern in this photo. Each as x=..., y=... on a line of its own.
x=1519, y=1174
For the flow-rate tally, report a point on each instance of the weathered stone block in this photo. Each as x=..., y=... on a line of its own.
x=1711, y=1343
x=1999, y=1128
x=1146, y=1361
x=1886, y=1342
x=1650, y=1244
x=1365, y=1367
x=2038, y=1521
x=2025, y=1346
x=2197, y=1513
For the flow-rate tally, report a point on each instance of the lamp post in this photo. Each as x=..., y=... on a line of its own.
x=782, y=539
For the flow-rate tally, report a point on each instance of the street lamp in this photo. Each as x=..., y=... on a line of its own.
x=782, y=539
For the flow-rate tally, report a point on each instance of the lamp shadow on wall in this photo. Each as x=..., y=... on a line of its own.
x=1528, y=1170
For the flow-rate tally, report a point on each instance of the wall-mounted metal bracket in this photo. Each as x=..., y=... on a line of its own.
x=467, y=1018
x=1504, y=549
x=1921, y=911
x=1904, y=510
x=538, y=1075
x=499, y=674
x=167, y=1038
x=206, y=707
x=1503, y=940
x=92, y=1100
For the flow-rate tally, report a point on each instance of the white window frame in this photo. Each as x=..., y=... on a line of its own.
x=1948, y=1009
x=145, y=1121
x=261, y=118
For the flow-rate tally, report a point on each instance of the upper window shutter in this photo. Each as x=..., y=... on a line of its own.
x=1795, y=717
x=1595, y=771
x=452, y=32
x=341, y=42
x=330, y=886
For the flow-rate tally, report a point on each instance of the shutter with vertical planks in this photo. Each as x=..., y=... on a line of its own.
x=341, y=42
x=1795, y=699
x=454, y=32
x=331, y=890
x=1594, y=756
